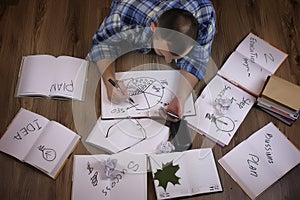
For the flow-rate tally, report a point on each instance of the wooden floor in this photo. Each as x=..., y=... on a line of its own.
x=66, y=27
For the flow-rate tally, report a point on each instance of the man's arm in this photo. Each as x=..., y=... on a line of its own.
x=186, y=84
x=107, y=70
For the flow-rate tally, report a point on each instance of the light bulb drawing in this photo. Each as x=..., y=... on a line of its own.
x=222, y=123
x=47, y=153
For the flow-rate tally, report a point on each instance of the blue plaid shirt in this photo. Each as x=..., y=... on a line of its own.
x=127, y=28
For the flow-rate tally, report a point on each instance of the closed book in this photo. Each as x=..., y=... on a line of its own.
x=277, y=108
x=282, y=92
x=283, y=119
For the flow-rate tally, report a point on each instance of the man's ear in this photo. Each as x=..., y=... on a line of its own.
x=153, y=26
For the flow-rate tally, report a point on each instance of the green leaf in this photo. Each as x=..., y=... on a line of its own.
x=167, y=174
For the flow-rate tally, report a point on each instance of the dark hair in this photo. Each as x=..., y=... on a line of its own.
x=181, y=25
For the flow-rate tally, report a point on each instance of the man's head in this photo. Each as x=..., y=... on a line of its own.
x=174, y=34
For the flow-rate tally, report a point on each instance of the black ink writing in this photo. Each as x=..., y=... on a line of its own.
x=223, y=91
x=268, y=148
x=130, y=166
x=63, y=86
x=29, y=128
x=246, y=65
x=222, y=123
x=112, y=184
x=133, y=166
x=253, y=164
x=47, y=153
x=89, y=168
x=253, y=54
x=244, y=102
x=164, y=82
x=157, y=89
x=269, y=56
x=94, y=179
x=214, y=187
x=118, y=110
x=164, y=194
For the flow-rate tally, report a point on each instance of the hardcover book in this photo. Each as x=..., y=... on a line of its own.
x=187, y=173
x=42, y=143
x=62, y=77
x=260, y=160
x=111, y=177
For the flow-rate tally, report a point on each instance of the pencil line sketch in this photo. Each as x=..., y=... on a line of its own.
x=147, y=91
x=135, y=131
x=222, y=123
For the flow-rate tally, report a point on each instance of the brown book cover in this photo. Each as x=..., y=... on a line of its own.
x=283, y=92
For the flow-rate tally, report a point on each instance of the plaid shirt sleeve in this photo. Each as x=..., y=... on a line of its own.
x=114, y=38
x=105, y=41
x=195, y=62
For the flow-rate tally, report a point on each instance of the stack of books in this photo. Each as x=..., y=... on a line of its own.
x=280, y=98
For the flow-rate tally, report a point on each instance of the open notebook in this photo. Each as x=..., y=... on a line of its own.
x=217, y=123
x=260, y=160
x=228, y=97
x=131, y=135
x=34, y=139
x=251, y=63
x=111, y=177
x=62, y=77
x=149, y=90
x=186, y=173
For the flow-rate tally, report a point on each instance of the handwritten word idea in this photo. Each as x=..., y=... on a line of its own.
x=31, y=127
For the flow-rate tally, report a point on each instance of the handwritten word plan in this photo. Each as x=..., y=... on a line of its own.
x=113, y=177
x=149, y=90
x=259, y=161
x=52, y=77
x=186, y=173
x=34, y=139
x=131, y=135
x=215, y=120
x=251, y=63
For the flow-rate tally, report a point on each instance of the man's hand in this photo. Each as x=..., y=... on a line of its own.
x=114, y=94
x=173, y=112
x=107, y=70
x=186, y=84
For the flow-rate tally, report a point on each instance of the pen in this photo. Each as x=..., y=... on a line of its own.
x=118, y=88
x=169, y=113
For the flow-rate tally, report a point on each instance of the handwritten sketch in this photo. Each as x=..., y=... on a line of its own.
x=116, y=176
x=149, y=90
x=146, y=90
x=131, y=135
x=220, y=119
x=131, y=127
x=222, y=123
x=47, y=153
